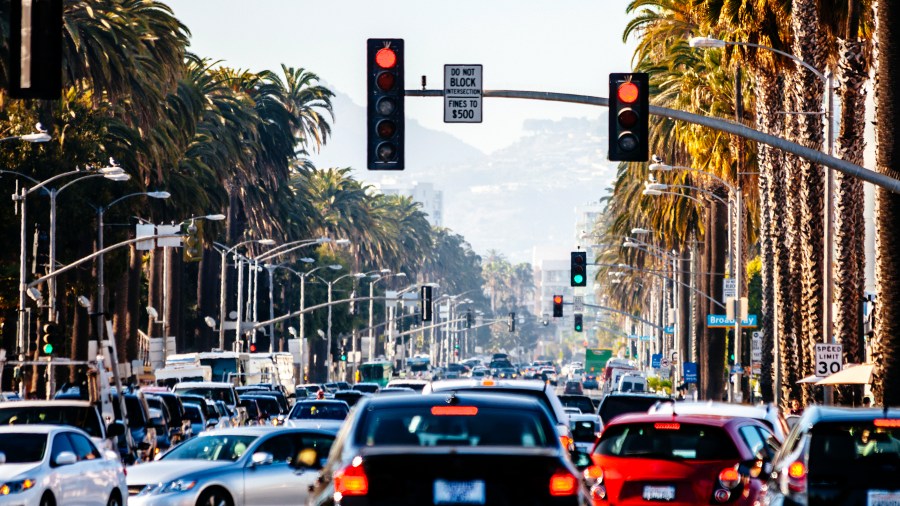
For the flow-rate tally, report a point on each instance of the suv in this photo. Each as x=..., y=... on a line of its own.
x=615, y=404
x=81, y=414
x=839, y=456
x=143, y=433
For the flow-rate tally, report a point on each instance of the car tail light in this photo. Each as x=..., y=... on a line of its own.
x=566, y=441
x=351, y=480
x=563, y=484
x=729, y=478
x=797, y=477
x=667, y=426
x=593, y=473
x=887, y=422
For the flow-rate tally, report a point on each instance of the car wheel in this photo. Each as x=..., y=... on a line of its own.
x=215, y=497
x=114, y=500
x=47, y=499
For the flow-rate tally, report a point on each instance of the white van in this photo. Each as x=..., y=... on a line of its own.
x=632, y=383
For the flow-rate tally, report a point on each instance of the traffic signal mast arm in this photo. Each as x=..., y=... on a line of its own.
x=719, y=124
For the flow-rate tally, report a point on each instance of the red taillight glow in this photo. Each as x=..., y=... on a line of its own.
x=566, y=441
x=593, y=473
x=886, y=422
x=729, y=477
x=667, y=426
x=386, y=58
x=628, y=92
x=562, y=484
x=454, y=410
x=797, y=470
x=351, y=480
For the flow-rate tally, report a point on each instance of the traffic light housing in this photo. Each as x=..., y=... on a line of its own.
x=629, y=111
x=343, y=354
x=385, y=115
x=578, y=269
x=50, y=338
x=469, y=319
x=193, y=244
x=579, y=323
x=426, y=303
x=557, y=306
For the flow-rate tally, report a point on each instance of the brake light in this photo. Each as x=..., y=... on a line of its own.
x=667, y=426
x=351, y=480
x=566, y=441
x=797, y=477
x=886, y=422
x=593, y=473
x=729, y=477
x=488, y=383
x=563, y=484
x=454, y=410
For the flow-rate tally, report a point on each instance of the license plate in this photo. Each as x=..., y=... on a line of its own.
x=657, y=493
x=883, y=498
x=458, y=492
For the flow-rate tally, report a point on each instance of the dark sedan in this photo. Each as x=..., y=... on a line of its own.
x=452, y=448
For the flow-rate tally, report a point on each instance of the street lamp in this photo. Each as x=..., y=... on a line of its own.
x=227, y=251
x=372, y=309
x=101, y=286
x=355, y=275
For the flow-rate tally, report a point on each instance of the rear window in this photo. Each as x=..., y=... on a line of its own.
x=192, y=413
x=315, y=410
x=584, y=431
x=83, y=417
x=534, y=394
x=614, y=405
x=667, y=440
x=211, y=393
x=446, y=425
x=584, y=404
x=860, y=453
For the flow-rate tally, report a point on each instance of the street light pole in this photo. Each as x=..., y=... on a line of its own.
x=222, y=277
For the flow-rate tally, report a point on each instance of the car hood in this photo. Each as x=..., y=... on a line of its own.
x=163, y=471
x=9, y=471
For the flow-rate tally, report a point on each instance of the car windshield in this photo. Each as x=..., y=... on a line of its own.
x=667, y=440
x=212, y=393
x=860, y=454
x=583, y=403
x=21, y=448
x=212, y=447
x=454, y=426
x=615, y=405
x=83, y=417
x=192, y=413
x=320, y=410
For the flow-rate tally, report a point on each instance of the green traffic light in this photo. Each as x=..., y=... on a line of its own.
x=578, y=278
x=48, y=348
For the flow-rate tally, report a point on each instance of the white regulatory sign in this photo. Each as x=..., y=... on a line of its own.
x=578, y=304
x=462, y=93
x=829, y=358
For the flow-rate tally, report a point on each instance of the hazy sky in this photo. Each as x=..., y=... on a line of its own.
x=549, y=45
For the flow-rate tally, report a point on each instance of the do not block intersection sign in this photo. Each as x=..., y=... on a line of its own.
x=462, y=93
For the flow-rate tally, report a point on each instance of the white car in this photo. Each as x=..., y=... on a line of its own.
x=46, y=465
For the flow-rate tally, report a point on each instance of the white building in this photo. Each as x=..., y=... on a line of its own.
x=424, y=193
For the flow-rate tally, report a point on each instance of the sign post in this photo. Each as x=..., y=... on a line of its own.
x=463, y=88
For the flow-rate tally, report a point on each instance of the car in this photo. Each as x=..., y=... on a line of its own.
x=237, y=465
x=582, y=402
x=572, y=411
x=163, y=440
x=449, y=448
x=632, y=383
x=838, y=456
x=506, y=373
x=194, y=415
x=615, y=404
x=255, y=414
x=586, y=429
x=573, y=387
x=311, y=389
x=334, y=386
x=676, y=459
x=55, y=464
x=178, y=425
x=768, y=414
x=143, y=433
x=269, y=406
x=210, y=413
x=417, y=385
x=590, y=382
x=369, y=388
x=80, y=414
x=395, y=391
x=327, y=409
x=213, y=390
x=351, y=397
x=543, y=392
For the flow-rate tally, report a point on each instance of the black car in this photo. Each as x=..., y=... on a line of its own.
x=615, y=404
x=320, y=409
x=839, y=456
x=351, y=397
x=449, y=448
x=179, y=426
x=369, y=388
x=582, y=402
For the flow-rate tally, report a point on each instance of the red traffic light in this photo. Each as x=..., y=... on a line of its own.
x=557, y=299
x=252, y=348
x=628, y=92
x=386, y=58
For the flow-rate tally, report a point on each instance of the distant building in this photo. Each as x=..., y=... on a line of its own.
x=424, y=193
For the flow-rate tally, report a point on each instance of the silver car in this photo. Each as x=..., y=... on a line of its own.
x=245, y=465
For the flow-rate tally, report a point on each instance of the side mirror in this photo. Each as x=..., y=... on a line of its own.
x=65, y=459
x=115, y=429
x=261, y=459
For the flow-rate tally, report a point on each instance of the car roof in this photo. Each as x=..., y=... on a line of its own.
x=465, y=398
x=715, y=408
x=19, y=404
x=577, y=417
x=468, y=383
x=261, y=430
x=204, y=384
x=712, y=420
x=320, y=401
x=395, y=382
x=39, y=428
x=815, y=414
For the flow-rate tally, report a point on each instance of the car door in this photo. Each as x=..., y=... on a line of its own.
x=70, y=489
x=296, y=460
x=96, y=480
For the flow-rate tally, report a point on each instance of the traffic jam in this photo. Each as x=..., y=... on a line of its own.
x=486, y=431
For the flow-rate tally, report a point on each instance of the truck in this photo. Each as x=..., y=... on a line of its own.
x=595, y=360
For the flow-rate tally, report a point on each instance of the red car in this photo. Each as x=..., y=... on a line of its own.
x=676, y=460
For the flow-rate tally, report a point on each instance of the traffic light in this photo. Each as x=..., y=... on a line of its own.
x=579, y=323
x=426, y=303
x=469, y=319
x=557, y=306
x=252, y=347
x=511, y=322
x=35, y=63
x=629, y=110
x=343, y=354
x=578, y=269
x=385, y=120
x=51, y=333
x=193, y=245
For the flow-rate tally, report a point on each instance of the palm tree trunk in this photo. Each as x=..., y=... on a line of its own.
x=684, y=305
x=808, y=90
x=886, y=352
x=769, y=90
x=850, y=252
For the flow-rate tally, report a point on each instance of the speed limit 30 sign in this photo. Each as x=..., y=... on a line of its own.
x=829, y=359
x=462, y=93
